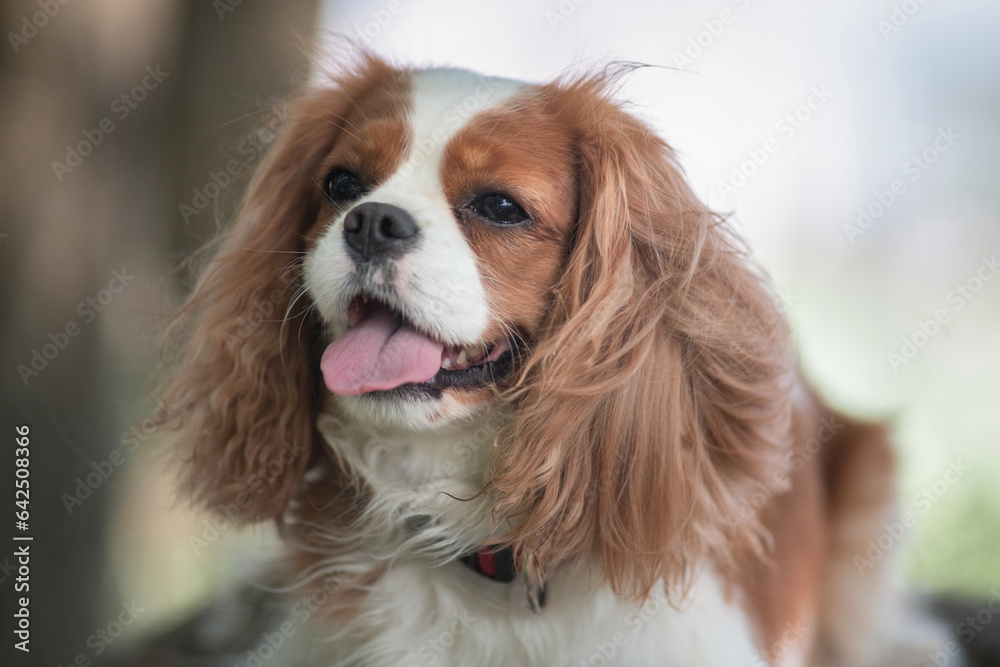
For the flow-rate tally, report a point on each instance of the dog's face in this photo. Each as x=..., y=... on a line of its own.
x=417, y=245
x=433, y=255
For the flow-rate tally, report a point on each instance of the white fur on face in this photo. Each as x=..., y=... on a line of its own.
x=436, y=285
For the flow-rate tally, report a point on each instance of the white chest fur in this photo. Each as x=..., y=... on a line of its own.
x=425, y=611
x=451, y=616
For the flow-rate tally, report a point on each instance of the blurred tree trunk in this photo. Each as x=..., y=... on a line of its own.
x=104, y=224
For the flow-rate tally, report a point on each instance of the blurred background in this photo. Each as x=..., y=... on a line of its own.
x=856, y=144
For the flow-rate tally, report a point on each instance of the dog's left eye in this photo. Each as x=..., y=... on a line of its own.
x=341, y=185
x=499, y=209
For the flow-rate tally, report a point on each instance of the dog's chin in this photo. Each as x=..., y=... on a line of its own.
x=410, y=409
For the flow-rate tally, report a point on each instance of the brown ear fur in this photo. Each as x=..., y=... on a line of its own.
x=658, y=392
x=243, y=394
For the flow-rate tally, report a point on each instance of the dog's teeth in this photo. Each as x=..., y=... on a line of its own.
x=364, y=298
x=446, y=364
x=462, y=357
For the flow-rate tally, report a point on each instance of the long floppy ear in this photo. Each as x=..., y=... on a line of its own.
x=658, y=392
x=243, y=395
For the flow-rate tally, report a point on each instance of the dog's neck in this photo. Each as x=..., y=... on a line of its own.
x=383, y=455
x=428, y=491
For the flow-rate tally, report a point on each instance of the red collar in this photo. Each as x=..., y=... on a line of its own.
x=493, y=563
x=502, y=564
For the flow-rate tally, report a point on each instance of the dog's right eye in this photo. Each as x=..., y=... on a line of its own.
x=341, y=185
x=499, y=209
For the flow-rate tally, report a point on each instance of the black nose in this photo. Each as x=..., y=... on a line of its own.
x=372, y=229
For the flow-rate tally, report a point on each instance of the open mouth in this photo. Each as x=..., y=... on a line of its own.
x=383, y=354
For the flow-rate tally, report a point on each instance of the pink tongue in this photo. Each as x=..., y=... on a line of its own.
x=378, y=354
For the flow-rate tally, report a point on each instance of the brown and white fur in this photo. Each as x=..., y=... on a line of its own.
x=648, y=449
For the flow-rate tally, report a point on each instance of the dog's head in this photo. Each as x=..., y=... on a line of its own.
x=438, y=239
x=421, y=246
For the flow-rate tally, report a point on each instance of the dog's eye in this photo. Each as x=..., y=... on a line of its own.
x=341, y=185
x=499, y=209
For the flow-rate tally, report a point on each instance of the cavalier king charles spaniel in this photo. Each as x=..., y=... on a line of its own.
x=514, y=396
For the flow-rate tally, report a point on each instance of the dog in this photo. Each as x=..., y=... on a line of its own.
x=512, y=395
